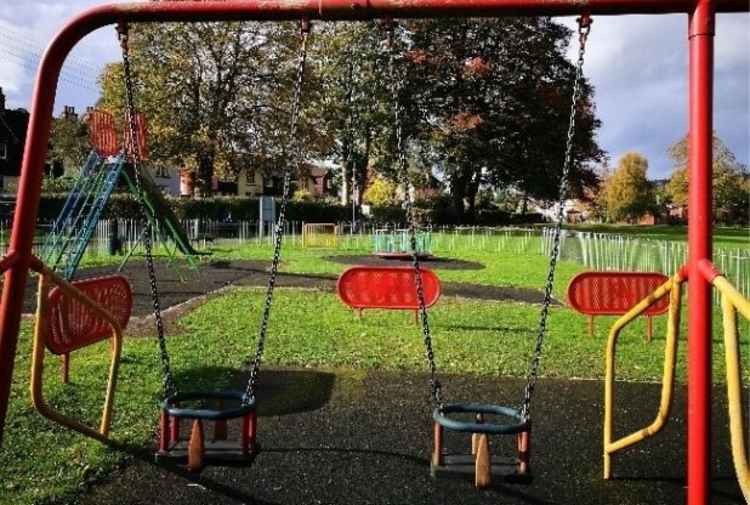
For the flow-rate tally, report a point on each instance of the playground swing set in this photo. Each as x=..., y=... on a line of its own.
x=76, y=315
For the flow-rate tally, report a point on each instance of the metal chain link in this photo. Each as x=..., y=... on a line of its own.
x=281, y=221
x=133, y=149
x=396, y=86
x=584, y=27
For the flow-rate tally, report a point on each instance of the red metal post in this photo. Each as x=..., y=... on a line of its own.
x=700, y=218
x=164, y=433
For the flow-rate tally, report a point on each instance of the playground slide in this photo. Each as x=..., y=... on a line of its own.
x=162, y=214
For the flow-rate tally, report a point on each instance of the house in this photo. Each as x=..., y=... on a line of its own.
x=13, y=125
x=314, y=178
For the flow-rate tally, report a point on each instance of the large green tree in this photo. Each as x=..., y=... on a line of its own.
x=217, y=95
x=731, y=182
x=492, y=97
x=629, y=193
x=354, y=105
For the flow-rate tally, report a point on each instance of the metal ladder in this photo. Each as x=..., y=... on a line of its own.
x=73, y=229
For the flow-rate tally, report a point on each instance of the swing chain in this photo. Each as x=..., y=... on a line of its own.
x=133, y=149
x=584, y=27
x=396, y=86
x=281, y=221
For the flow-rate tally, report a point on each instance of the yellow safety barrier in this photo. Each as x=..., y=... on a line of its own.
x=46, y=278
x=673, y=288
x=732, y=302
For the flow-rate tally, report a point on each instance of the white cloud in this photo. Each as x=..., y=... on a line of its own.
x=638, y=65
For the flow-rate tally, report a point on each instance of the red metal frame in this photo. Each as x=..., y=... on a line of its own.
x=701, y=35
x=614, y=293
x=102, y=133
x=367, y=287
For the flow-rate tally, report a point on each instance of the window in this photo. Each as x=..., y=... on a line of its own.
x=250, y=176
x=3, y=151
x=162, y=172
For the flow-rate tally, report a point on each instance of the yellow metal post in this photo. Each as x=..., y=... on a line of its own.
x=731, y=301
x=37, y=363
x=672, y=286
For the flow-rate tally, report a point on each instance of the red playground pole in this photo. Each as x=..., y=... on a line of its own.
x=700, y=218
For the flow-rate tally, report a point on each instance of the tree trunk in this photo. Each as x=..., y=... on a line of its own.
x=471, y=196
x=458, y=191
x=205, y=174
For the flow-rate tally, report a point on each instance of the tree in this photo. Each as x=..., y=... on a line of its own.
x=354, y=105
x=380, y=192
x=69, y=142
x=490, y=100
x=629, y=193
x=217, y=95
x=731, y=186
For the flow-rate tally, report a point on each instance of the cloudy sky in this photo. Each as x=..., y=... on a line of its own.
x=638, y=65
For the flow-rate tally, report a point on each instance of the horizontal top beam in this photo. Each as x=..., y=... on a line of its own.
x=229, y=10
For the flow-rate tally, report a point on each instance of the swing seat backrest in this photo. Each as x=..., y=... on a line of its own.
x=363, y=287
x=72, y=325
x=615, y=293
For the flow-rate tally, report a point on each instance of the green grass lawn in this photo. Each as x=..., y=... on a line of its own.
x=43, y=463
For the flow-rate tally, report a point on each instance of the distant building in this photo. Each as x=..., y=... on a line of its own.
x=13, y=125
x=314, y=178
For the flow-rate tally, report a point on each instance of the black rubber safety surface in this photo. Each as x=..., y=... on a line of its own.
x=178, y=282
x=365, y=438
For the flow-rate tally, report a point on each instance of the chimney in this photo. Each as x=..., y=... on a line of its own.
x=2, y=100
x=69, y=112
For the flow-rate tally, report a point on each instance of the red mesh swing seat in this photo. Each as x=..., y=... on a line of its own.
x=73, y=325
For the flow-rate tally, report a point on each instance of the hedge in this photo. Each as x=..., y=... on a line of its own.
x=439, y=212
x=125, y=206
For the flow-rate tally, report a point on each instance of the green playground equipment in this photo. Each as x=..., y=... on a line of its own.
x=395, y=243
x=71, y=232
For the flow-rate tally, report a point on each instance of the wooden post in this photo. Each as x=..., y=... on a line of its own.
x=524, y=446
x=196, y=447
x=483, y=465
x=650, y=328
x=475, y=436
x=437, y=449
x=591, y=326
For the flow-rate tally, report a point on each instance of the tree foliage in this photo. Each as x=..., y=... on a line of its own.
x=485, y=102
x=381, y=192
x=492, y=97
x=69, y=142
x=217, y=95
x=731, y=183
x=629, y=193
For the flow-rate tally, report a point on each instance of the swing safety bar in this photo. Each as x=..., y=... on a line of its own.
x=700, y=32
x=732, y=302
x=673, y=288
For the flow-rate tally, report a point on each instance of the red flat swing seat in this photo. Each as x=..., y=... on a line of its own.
x=366, y=287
